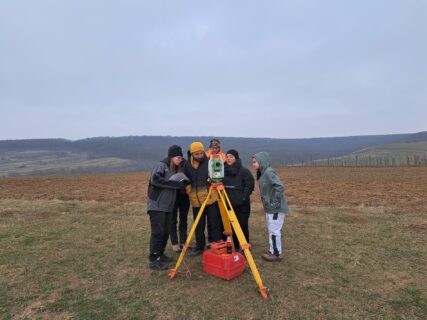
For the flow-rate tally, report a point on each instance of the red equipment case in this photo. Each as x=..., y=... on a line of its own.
x=225, y=266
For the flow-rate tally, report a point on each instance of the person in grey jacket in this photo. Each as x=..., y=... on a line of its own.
x=162, y=193
x=274, y=202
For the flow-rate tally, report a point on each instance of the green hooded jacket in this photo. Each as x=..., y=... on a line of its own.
x=270, y=186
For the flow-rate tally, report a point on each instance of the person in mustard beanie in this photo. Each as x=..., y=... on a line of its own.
x=196, y=169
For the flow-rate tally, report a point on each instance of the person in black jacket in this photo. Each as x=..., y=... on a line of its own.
x=239, y=184
x=182, y=205
x=161, y=201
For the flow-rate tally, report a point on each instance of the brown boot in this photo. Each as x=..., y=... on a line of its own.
x=271, y=257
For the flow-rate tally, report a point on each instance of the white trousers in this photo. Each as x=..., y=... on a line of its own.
x=275, y=222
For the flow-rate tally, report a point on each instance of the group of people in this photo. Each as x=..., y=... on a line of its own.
x=170, y=199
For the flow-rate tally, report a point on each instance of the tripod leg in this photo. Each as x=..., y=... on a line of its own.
x=172, y=272
x=243, y=243
x=225, y=220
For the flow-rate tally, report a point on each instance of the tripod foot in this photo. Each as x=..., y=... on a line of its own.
x=172, y=273
x=263, y=291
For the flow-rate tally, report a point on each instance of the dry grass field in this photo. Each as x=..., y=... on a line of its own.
x=355, y=246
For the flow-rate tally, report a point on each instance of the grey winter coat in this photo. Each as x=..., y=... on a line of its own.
x=161, y=191
x=270, y=186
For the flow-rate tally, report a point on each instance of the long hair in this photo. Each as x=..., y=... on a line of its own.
x=175, y=169
x=172, y=167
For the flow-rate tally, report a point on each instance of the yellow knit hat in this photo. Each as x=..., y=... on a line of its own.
x=196, y=146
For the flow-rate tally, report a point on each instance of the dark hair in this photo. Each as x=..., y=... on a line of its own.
x=214, y=143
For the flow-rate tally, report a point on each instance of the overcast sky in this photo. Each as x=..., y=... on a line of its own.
x=283, y=69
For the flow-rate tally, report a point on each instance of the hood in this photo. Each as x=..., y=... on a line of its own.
x=263, y=159
x=166, y=161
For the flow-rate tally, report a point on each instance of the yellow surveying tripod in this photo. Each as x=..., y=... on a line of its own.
x=229, y=219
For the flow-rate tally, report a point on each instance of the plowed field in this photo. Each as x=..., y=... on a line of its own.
x=305, y=187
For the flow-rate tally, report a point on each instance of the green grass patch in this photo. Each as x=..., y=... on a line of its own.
x=81, y=263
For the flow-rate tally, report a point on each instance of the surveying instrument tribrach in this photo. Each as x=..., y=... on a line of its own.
x=229, y=219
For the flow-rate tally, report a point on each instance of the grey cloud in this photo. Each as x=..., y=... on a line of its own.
x=279, y=68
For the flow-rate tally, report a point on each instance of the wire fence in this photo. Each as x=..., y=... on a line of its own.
x=362, y=161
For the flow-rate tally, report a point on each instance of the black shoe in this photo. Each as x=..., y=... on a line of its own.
x=165, y=258
x=196, y=252
x=158, y=265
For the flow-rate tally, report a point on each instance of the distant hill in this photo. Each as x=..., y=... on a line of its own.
x=135, y=153
x=396, y=150
x=395, y=154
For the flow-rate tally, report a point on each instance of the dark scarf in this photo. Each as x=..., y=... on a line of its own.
x=233, y=169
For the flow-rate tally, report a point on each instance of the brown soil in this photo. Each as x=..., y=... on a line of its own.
x=420, y=228
x=305, y=187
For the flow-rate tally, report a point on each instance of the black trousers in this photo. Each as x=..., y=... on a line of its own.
x=160, y=228
x=212, y=215
x=182, y=205
x=242, y=214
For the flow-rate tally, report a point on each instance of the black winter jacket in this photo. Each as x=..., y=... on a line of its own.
x=239, y=184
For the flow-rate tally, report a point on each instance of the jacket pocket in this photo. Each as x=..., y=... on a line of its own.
x=153, y=192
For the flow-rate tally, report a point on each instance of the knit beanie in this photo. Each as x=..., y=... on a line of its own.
x=234, y=153
x=174, y=151
x=196, y=146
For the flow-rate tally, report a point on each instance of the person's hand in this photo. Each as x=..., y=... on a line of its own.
x=209, y=180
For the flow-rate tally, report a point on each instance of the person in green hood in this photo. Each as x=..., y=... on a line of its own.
x=274, y=202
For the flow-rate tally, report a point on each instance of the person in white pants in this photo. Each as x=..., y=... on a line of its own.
x=275, y=223
x=274, y=203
